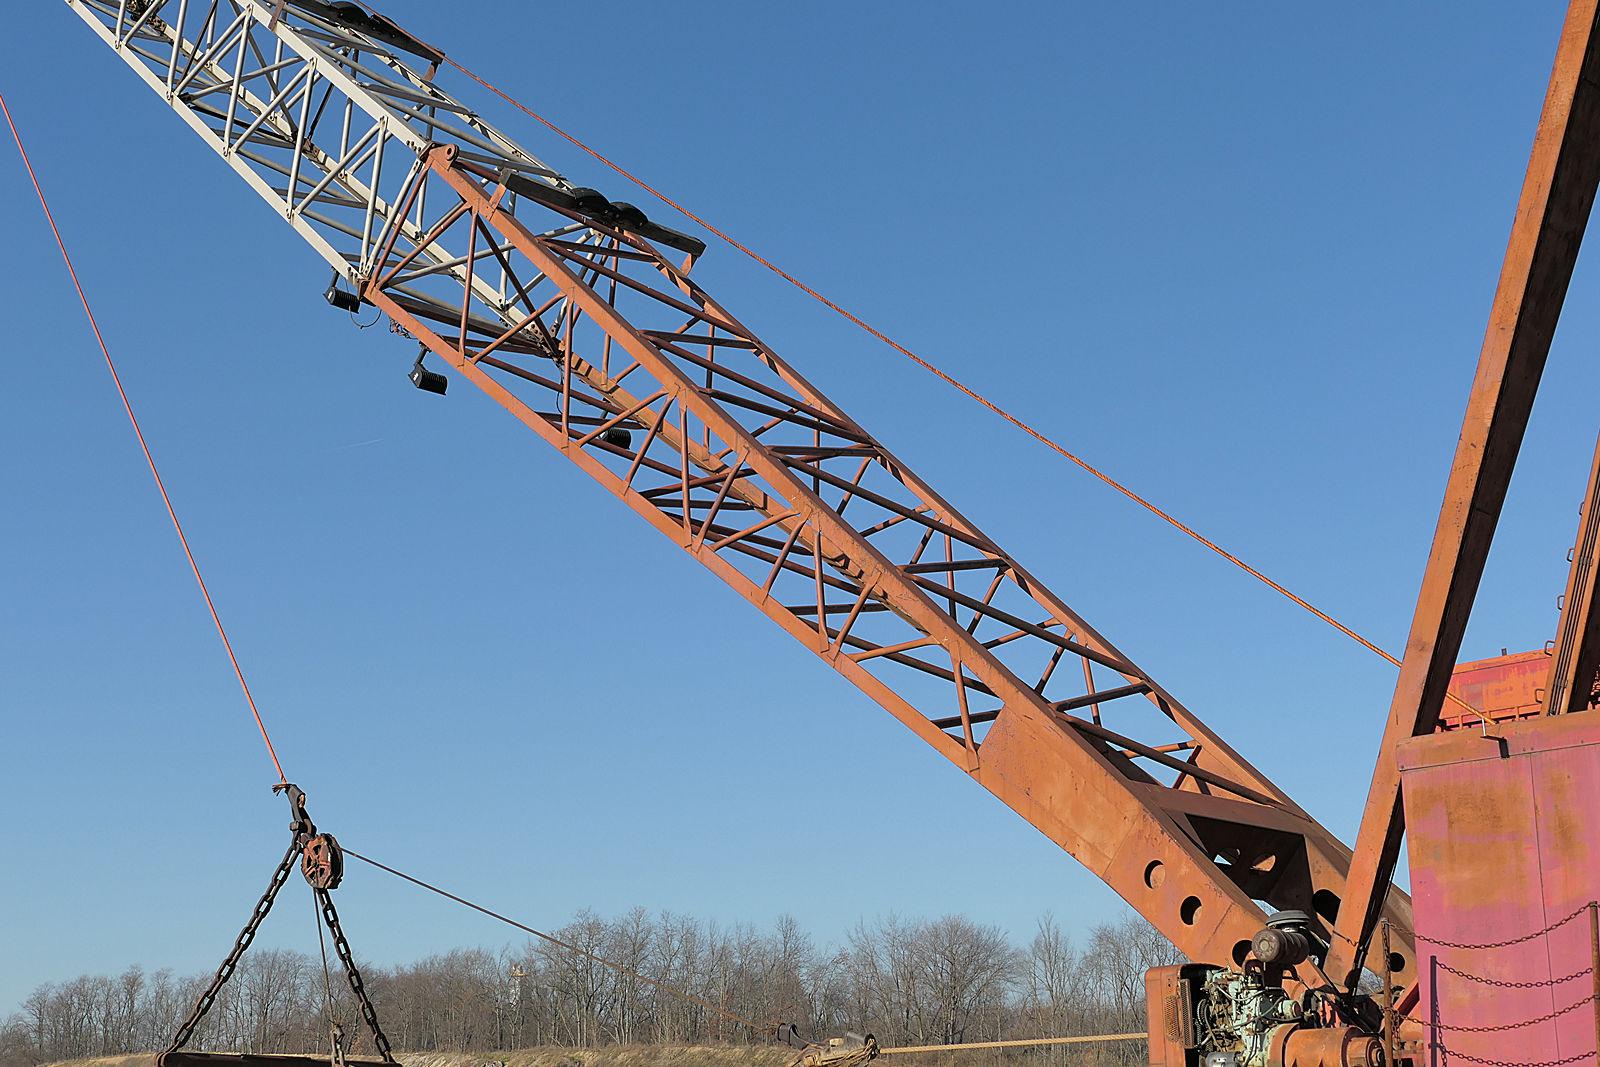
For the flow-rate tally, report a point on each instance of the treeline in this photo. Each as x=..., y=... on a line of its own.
x=939, y=981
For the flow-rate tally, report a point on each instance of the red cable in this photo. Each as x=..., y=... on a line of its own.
x=925, y=365
x=148, y=458
x=919, y=361
x=951, y=381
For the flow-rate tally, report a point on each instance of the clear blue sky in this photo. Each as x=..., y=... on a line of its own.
x=1240, y=255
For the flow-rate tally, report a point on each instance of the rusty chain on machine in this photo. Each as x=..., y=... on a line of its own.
x=341, y=947
x=1512, y=941
x=1558, y=1013
x=322, y=864
x=1582, y=1057
x=242, y=942
x=1500, y=983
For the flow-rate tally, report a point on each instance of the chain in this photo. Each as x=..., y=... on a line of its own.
x=247, y=935
x=335, y=1031
x=305, y=837
x=1504, y=944
x=1558, y=1013
x=1449, y=1054
x=342, y=948
x=1501, y=984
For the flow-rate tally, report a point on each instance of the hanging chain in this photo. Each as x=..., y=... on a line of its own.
x=1503, y=984
x=1507, y=943
x=341, y=947
x=321, y=862
x=247, y=935
x=335, y=1031
x=1581, y=1057
x=1498, y=1027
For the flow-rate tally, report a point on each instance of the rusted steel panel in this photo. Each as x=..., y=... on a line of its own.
x=1502, y=848
x=1505, y=687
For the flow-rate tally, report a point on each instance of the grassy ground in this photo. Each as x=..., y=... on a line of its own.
x=653, y=1056
x=619, y=1056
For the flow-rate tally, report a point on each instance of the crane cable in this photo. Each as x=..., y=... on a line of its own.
x=244, y=684
x=944, y=376
x=149, y=459
x=691, y=998
x=255, y=711
x=623, y=969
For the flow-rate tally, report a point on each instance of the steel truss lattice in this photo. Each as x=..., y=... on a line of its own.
x=552, y=303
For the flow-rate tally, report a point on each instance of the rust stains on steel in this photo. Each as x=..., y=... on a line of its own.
x=1504, y=866
x=909, y=581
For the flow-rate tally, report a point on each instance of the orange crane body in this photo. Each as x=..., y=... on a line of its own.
x=578, y=315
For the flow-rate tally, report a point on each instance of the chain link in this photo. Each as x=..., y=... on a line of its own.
x=341, y=947
x=335, y=1031
x=1558, y=1013
x=1504, y=944
x=304, y=831
x=1449, y=1054
x=242, y=942
x=1502, y=984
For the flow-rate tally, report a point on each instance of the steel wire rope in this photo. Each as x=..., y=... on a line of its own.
x=620, y=968
x=144, y=446
x=947, y=378
x=692, y=998
x=255, y=710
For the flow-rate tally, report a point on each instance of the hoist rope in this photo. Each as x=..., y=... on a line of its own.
x=620, y=968
x=149, y=459
x=1025, y=1042
x=947, y=378
x=691, y=998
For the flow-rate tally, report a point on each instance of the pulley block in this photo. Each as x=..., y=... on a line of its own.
x=322, y=862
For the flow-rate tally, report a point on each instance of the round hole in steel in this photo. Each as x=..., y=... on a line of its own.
x=1155, y=872
x=1189, y=910
x=1397, y=963
x=1241, y=949
x=1325, y=902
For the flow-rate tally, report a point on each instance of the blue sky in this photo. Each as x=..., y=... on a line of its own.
x=1239, y=255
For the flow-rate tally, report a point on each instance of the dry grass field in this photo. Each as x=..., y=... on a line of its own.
x=673, y=1056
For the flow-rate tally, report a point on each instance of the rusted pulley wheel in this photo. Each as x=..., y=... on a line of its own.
x=322, y=862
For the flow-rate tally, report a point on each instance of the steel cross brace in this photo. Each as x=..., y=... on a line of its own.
x=1165, y=847
x=607, y=350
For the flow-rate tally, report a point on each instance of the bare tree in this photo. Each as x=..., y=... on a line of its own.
x=944, y=981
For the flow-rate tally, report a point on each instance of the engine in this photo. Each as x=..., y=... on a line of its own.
x=1237, y=1015
x=1204, y=1016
